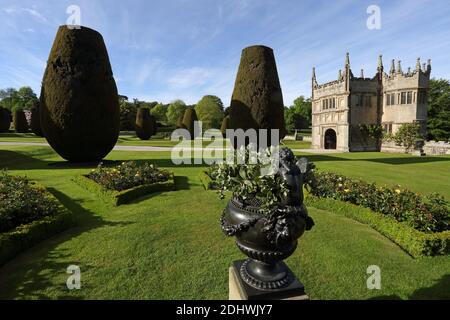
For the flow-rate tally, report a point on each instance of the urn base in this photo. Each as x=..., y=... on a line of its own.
x=241, y=290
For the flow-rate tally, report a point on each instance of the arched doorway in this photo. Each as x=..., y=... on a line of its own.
x=330, y=139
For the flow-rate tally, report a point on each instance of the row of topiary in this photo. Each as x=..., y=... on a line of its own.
x=20, y=121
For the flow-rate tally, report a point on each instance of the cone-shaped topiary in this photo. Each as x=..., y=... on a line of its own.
x=79, y=104
x=179, y=124
x=145, y=124
x=225, y=125
x=5, y=120
x=20, y=121
x=35, y=122
x=189, y=122
x=257, y=101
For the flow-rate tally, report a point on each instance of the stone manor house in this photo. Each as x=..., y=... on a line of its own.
x=340, y=107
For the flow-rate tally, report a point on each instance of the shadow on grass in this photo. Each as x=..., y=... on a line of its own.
x=32, y=272
x=439, y=291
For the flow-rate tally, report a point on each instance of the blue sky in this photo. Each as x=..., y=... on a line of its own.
x=167, y=49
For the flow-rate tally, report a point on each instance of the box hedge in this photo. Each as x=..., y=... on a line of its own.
x=118, y=198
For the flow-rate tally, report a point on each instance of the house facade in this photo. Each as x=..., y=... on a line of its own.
x=341, y=108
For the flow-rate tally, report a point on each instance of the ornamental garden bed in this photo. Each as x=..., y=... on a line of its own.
x=419, y=224
x=28, y=214
x=128, y=181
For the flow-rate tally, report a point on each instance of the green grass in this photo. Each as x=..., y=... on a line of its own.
x=132, y=140
x=169, y=246
x=420, y=174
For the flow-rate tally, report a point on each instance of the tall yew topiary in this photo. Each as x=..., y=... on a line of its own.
x=145, y=124
x=5, y=120
x=79, y=104
x=189, y=122
x=257, y=101
x=225, y=125
x=35, y=122
x=20, y=121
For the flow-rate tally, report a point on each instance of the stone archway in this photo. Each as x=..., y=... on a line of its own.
x=330, y=142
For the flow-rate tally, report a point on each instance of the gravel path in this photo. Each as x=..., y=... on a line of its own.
x=148, y=148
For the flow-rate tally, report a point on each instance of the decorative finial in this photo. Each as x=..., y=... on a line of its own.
x=340, y=74
x=314, y=73
x=380, y=62
x=429, y=65
x=392, y=71
x=347, y=59
x=362, y=73
x=399, y=66
x=409, y=70
x=418, y=64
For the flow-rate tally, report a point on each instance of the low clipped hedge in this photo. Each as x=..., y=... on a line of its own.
x=414, y=242
x=117, y=198
x=206, y=180
x=25, y=236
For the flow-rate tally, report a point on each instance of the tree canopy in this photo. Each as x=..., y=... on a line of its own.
x=13, y=99
x=210, y=111
x=175, y=110
x=298, y=116
x=439, y=110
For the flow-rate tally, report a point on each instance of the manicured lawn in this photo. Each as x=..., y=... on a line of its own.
x=133, y=140
x=170, y=246
x=421, y=174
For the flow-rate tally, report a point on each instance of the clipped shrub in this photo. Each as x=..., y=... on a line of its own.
x=79, y=104
x=145, y=124
x=35, y=122
x=20, y=121
x=225, y=125
x=257, y=101
x=189, y=122
x=5, y=120
x=423, y=213
x=180, y=123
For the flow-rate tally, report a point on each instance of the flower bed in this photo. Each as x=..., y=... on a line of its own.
x=126, y=182
x=28, y=215
x=424, y=213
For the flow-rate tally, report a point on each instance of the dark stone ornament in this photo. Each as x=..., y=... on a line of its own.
x=268, y=239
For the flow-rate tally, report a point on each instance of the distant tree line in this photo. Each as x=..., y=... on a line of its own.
x=209, y=110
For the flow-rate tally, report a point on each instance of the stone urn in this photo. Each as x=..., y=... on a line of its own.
x=269, y=238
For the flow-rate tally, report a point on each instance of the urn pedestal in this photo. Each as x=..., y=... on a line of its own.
x=239, y=290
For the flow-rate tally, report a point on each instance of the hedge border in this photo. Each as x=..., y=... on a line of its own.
x=206, y=180
x=414, y=242
x=117, y=198
x=26, y=236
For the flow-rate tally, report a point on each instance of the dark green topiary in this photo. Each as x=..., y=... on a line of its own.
x=257, y=100
x=189, y=119
x=225, y=125
x=179, y=123
x=35, y=122
x=145, y=124
x=5, y=120
x=79, y=104
x=20, y=121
